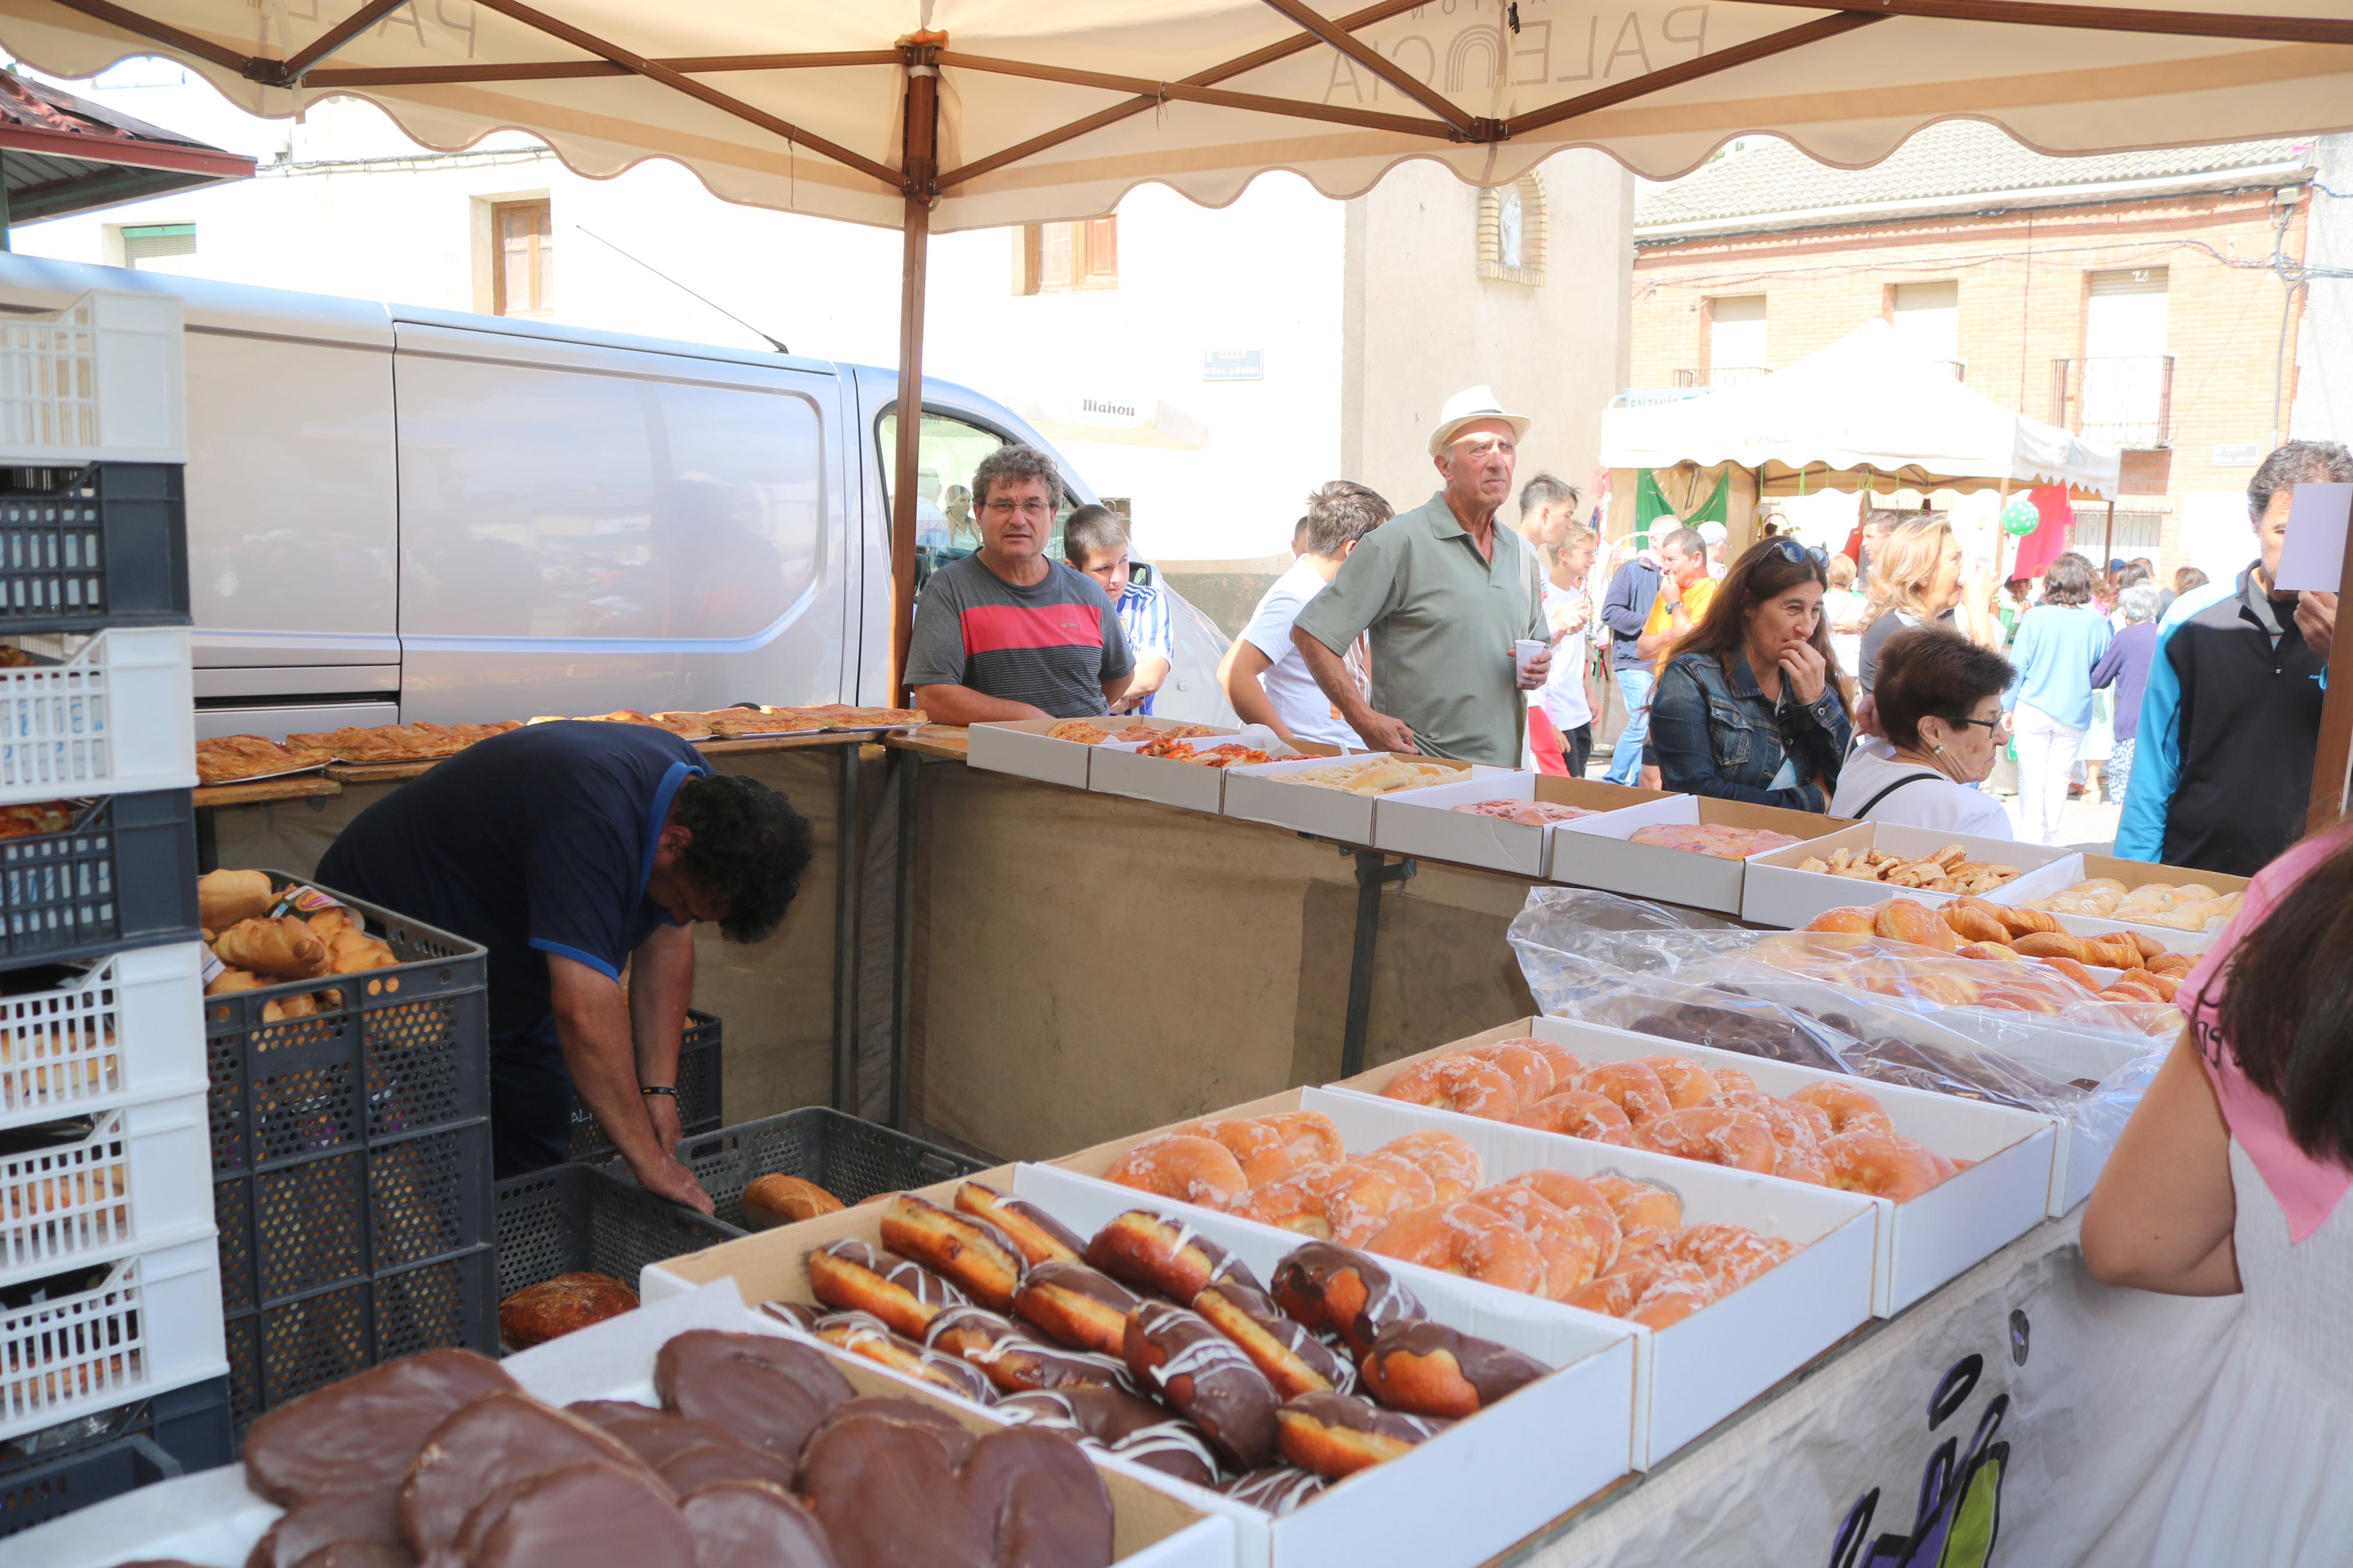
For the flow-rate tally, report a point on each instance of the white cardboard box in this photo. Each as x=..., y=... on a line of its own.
x=1022, y=746
x=1596, y=851
x=2132, y=874
x=1424, y=821
x=211, y=1519
x=1921, y=1244
x=1119, y=768
x=1258, y=794
x=1693, y=1375
x=1776, y=893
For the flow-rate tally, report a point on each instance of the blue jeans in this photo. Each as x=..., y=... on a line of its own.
x=1626, y=760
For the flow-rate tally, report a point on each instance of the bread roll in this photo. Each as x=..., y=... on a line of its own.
x=537, y=1313
x=776, y=1199
x=1852, y=921
x=229, y=980
x=282, y=949
x=225, y=897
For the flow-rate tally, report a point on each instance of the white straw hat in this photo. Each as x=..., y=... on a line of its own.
x=1469, y=406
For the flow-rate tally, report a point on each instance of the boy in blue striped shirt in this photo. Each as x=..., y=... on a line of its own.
x=1094, y=540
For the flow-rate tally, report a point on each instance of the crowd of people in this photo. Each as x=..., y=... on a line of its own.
x=1890, y=688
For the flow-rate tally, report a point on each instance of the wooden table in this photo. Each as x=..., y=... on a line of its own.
x=255, y=791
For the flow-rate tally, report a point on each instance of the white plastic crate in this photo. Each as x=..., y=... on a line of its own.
x=103, y=378
x=152, y=1322
x=116, y=714
x=132, y=1027
x=141, y=1177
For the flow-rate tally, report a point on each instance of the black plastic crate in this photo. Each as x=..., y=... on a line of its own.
x=88, y=1460
x=700, y=1083
x=83, y=548
x=848, y=1157
x=285, y=1349
x=571, y=1218
x=123, y=875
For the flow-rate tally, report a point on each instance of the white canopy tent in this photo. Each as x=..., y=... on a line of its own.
x=1869, y=407
x=969, y=113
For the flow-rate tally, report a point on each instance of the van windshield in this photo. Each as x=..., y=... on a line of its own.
x=948, y=451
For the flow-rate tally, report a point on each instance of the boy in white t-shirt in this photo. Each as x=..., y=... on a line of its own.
x=1568, y=610
x=1262, y=674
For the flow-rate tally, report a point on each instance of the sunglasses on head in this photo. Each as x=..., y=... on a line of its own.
x=1795, y=553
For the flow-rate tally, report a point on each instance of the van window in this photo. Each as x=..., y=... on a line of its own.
x=546, y=503
x=947, y=450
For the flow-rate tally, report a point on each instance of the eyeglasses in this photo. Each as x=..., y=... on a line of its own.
x=1991, y=726
x=1796, y=554
x=1033, y=506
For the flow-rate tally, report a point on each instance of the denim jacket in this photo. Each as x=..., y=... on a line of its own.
x=1718, y=734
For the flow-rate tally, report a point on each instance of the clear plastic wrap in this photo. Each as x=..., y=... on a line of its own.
x=1874, y=1009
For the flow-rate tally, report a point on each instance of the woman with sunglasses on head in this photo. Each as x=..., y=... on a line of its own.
x=1939, y=699
x=1748, y=705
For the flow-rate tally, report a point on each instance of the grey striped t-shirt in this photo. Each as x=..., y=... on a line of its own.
x=1051, y=644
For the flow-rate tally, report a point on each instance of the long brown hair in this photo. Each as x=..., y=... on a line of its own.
x=1769, y=569
x=2286, y=1011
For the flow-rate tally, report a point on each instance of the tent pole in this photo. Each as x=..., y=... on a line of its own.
x=2108, y=545
x=921, y=164
x=2336, y=754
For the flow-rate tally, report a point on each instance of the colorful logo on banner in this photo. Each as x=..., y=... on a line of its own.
x=1959, y=1515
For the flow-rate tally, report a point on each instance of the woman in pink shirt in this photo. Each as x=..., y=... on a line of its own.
x=2231, y=1178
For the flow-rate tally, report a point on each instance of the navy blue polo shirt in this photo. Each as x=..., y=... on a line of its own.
x=537, y=841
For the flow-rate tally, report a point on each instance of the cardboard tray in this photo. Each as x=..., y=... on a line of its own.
x=1694, y=1373
x=1258, y=793
x=1776, y=893
x=1118, y=768
x=1022, y=746
x=1507, y=1471
x=211, y=1519
x=1424, y=821
x=2132, y=874
x=1921, y=1244
x=1598, y=852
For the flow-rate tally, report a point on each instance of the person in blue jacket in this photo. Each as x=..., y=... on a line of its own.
x=2230, y=722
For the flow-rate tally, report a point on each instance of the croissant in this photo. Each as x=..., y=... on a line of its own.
x=2075, y=972
x=1975, y=924
x=278, y=1009
x=2055, y=944
x=2014, y=922
x=282, y=949
x=1990, y=950
x=2154, y=981
x=229, y=980
x=225, y=897
x=2113, y=951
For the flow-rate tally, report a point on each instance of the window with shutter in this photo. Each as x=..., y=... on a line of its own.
x=1059, y=257
x=523, y=276
x=155, y=241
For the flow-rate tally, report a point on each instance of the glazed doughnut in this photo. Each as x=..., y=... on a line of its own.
x=1258, y=1149
x=1188, y=1170
x=1577, y=1198
x=1278, y=1489
x=1715, y=1135
x=1880, y=1163
x=1797, y=1124
x=1294, y=1359
x=1447, y=1160
x=1205, y=1377
x=1641, y=1207
x=1463, y=1239
x=1014, y=1360
x=1147, y=1251
x=1076, y=1306
x=1117, y=1423
x=1457, y=1083
x=1846, y=1106
x=1337, y=1435
x=1366, y=1195
x=1428, y=1369
x=852, y=1276
x=1803, y=1162
x=1729, y=1255
x=863, y=1334
x=1531, y=1075
x=1633, y=1087
x=1308, y=1137
x=1566, y=1063
x=1570, y=1251
x=971, y=1254
x=1038, y=1235
x=1579, y=1113
x=1687, y=1083
x=1337, y=1291
x=1656, y=1293
x=1728, y=1080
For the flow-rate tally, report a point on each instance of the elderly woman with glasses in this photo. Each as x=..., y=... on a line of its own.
x=1939, y=697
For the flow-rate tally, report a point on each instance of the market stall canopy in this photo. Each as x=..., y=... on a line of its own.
x=61, y=154
x=1870, y=407
x=1052, y=111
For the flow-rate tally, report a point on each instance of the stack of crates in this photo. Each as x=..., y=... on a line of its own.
x=109, y=1274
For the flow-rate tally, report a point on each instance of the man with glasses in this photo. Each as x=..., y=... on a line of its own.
x=1444, y=593
x=1009, y=632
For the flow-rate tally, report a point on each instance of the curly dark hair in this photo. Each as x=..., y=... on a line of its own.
x=1011, y=464
x=749, y=849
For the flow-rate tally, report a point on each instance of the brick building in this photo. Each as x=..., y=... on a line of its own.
x=2137, y=297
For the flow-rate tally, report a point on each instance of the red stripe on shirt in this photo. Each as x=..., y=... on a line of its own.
x=988, y=628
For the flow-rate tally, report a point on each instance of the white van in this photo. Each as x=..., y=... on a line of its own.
x=397, y=514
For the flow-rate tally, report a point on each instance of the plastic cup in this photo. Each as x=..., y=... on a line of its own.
x=1526, y=652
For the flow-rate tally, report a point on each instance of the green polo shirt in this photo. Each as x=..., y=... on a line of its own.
x=1442, y=622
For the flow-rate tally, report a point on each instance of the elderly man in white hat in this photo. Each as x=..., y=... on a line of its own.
x=1445, y=594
